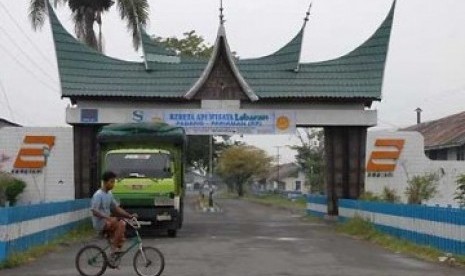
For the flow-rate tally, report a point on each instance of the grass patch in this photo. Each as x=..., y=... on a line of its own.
x=81, y=233
x=226, y=195
x=279, y=201
x=365, y=230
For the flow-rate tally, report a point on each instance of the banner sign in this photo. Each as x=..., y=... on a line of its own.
x=223, y=122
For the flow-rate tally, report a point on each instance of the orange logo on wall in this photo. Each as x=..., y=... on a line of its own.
x=385, y=160
x=282, y=123
x=34, y=152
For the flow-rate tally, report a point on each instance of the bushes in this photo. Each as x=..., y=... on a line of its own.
x=388, y=195
x=460, y=190
x=10, y=188
x=421, y=188
x=369, y=196
x=13, y=190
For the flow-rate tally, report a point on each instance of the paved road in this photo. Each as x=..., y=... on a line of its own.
x=254, y=240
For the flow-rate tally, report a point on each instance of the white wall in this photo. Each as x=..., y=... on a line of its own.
x=54, y=182
x=290, y=182
x=412, y=161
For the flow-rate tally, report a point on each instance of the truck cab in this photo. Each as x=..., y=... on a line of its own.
x=149, y=163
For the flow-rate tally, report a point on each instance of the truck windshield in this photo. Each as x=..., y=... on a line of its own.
x=153, y=165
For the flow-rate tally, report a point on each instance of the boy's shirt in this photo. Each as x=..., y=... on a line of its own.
x=103, y=202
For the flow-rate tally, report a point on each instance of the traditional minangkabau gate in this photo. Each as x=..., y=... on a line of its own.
x=226, y=95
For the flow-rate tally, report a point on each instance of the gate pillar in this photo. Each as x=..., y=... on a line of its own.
x=85, y=160
x=345, y=163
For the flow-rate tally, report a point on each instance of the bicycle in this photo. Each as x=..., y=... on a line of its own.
x=93, y=260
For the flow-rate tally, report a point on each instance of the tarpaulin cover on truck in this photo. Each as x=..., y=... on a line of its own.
x=142, y=132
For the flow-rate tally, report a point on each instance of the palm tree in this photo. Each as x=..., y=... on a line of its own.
x=88, y=12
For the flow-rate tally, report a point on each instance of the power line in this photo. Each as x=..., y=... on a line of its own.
x=12, y=19
x=27, y=69
x=26, y=54
x=2, y=87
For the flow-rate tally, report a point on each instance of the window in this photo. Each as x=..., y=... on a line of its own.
x=298, y=185
x=461, y=153
x=440, y=154
x=154, y=165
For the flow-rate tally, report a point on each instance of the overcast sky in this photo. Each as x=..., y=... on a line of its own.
x=425, y=67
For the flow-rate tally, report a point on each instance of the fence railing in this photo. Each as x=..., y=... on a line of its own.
x=25, y=226
x=439, y=227
x=317, y=205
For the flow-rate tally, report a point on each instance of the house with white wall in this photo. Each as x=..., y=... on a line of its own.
x=444, y=138
x=286, y=178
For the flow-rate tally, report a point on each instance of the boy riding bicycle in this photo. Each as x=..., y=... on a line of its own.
x=103, y=206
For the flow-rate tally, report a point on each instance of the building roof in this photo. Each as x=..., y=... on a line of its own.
x=357, y=75
x=6, y=123
x=442, y=133
x=284, y=170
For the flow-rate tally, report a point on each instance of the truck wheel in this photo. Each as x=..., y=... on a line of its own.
x=172, y=233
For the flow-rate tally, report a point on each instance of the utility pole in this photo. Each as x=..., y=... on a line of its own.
x=210, y=176
x=210, y=149
x=277, y=157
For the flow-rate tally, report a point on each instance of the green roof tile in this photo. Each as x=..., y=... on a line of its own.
x=358, y=74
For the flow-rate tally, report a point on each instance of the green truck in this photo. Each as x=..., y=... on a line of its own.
x=149, y=161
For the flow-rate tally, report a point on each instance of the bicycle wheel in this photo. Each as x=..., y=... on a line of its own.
x=148, y=262
x=91, y=260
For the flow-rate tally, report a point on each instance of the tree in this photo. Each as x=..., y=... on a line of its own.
x=86, y=13
x=191, y=44
x=198, y=150
x=310, y=156
x=421, y=187
x=239, y=164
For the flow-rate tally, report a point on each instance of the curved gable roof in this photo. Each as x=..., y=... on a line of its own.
x=358, y=75
x=222, y=46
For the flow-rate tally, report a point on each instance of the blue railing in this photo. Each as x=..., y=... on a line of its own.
x=23, y=227
x=442, y=228
x=317, y=205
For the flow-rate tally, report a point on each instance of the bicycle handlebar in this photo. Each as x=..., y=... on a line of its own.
x=133, y=222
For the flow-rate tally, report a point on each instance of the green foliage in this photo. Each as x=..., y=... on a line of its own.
x=369, y=196
x=238, y=164
x=279, y=201
x=310, y=156
x=358, y=226
x=197, y=154
x=460, y=190
x=191, y=45
x=390, y=195
x=4, y=181
x=87, y=13
x=363, y=229
x=421, y=187
x=198, y=150
x=14, y=189
x=10, y=188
